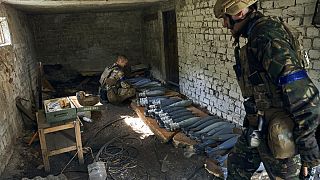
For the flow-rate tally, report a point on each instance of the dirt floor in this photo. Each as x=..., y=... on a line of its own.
x=131, y=156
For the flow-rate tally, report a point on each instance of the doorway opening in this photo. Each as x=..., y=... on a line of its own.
x=171, y=47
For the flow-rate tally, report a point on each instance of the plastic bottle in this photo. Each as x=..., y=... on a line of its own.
x=97, y=171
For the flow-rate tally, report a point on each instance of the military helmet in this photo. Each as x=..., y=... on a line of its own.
x=231, y=7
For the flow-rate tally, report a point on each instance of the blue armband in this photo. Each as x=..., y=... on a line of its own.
x=301, y=74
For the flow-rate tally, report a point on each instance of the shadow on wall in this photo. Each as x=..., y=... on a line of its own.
x=66, y=81
x=316, y=17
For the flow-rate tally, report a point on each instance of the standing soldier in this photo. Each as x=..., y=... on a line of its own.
x=281, y=102
x=114, y=88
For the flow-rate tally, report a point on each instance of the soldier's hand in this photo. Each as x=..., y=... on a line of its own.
x=309, y=153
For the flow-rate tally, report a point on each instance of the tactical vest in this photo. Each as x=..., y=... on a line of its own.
x=255, y=83
x=253, y=79
x=107, y=78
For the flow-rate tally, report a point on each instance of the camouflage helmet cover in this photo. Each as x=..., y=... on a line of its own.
x=231, y=7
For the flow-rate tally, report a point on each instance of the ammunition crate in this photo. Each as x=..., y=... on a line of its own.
x=97, y=107
x=60, y=115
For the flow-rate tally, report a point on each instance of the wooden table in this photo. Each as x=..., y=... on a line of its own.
x=59, y=131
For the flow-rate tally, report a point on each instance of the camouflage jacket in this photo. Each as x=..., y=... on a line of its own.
x=113, y=76
x=272, y=54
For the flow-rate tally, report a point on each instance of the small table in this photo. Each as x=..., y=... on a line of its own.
x=45, y=128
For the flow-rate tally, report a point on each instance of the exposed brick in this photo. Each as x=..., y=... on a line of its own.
x=267, y=4
x=309, y=9
x=71, y=38
x=314, y=54
x=307, y=43
x=312, y=32
x=217, y=87
x=295, y=21
x=19, y=61
x=285, y=3
x=316, y=64
x=299, y=2
x=316, y=43
x=293, y=11
x=307, y=20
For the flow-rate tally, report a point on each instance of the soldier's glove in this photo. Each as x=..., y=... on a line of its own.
x=309, y=152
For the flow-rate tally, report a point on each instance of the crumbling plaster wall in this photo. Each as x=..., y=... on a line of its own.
x=153, y=38
x=88, y=41
x=17, y=77
x=206, y=54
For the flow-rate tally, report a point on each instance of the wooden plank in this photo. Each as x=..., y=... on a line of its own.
x=172, y=94
x=62, y=150
x=59, y=128
x=161, y=133
x=75, y=101
x=181, y=140
x=79, y=142
x=44, y=150
x=41, y=120
x=212, y=167
x=93, y=2
x=57, y=140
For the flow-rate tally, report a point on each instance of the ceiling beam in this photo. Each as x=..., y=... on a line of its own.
x=58, y=6
x=80, y=2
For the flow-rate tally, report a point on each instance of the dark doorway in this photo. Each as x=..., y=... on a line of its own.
x=170, y=47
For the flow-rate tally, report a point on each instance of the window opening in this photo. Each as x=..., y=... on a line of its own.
x=4, y=32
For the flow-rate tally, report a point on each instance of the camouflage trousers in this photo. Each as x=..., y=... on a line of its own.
x=117, y=96
x=243, y=162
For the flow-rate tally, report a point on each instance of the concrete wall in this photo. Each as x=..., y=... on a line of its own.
x=89, y=41
x=206, y=54
x=17, y=77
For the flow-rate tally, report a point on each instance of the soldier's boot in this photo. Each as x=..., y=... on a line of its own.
x=113, y=97
x=125, y=93
x=242, y=161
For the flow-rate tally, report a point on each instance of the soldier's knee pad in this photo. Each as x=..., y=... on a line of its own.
x=280, y=136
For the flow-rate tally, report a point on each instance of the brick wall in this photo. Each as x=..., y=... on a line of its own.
x=17, y=77
x=206, y=59
x=89, y=41
x=206, y=54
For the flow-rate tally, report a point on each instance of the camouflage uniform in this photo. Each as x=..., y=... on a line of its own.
x=267, y=63
x=113, y=81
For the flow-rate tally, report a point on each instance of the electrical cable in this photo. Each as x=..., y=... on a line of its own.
x=105, y=126
x=69, y=162
x=118, y=155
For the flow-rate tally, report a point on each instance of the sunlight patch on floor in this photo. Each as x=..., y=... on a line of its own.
x=138, y=126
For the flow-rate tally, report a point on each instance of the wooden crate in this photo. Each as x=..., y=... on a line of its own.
x=61, y=115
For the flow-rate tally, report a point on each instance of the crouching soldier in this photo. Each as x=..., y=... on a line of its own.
x=113, y=87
